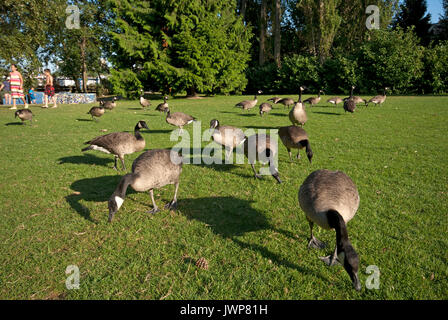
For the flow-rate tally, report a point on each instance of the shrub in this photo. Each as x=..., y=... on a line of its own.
x=436, y=69
x=299, y=70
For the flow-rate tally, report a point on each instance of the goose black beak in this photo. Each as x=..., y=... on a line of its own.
x=356, y=282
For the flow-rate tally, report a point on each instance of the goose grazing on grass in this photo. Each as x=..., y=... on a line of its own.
x=335, y=100
x=286, y=102
x=163, y=107
x=227, y=136
x=119, y=143
x=24, y=114
x=249, y=104
x=264, y=149
x=96, y=112
x=275, y=100
x=294, y=137
x=179, y=119
x=313, y=100
x=349, y=103
x=265, y=108
x=144, y=102
x=109, y=104
x=330, y=199
x=297, y=115
x=153, y=169
x=378, y=99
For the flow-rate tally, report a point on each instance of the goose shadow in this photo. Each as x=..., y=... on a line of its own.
x=230, y=218
x=86, y=158
x=328, y=113
x=14, y=124
x=93, y=190
x=85, y=120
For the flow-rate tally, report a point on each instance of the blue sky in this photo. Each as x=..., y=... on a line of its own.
x=435, y=9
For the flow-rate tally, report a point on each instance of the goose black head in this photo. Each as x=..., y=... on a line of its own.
x=214, y=123
x=114, y=205
x=350, y=260
x=309, y=154
x=142, y=124
x=16, y=114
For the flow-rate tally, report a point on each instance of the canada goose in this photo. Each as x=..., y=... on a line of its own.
x=163, y=107
x=24, y=114
x=349, y=103
x=294, y=137
x=330, y=199
x=275, y=100
x=227, y=136
x=286, y=102
x=261, y=147
x=110, y=104
x=179, y=119
x=335, y=100
x=265, y=108
x=313, y=100
x=119, y=143
x=96, y=112
x=297, y=115
x=144, y=102
x=153, y=169
x=378, y=99
x=249, y=104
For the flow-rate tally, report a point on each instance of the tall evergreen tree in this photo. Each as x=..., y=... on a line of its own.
x=414, y=13
x=192, y=45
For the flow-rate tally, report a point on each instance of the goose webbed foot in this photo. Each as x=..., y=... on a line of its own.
x=154, y=210
x=330, y=260
x=316, y=244
x=172, y=205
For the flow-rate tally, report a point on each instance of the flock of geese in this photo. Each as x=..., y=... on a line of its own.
x=329, y=199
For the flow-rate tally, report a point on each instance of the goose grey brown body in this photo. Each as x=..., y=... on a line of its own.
x=330, y=199
x=275, y=100
x=227, y=136
x=163, y=107
x=119, y=143
x=109, y=104
x=24, y=114
x=145, y=103
x=153, y=169
x=313, y=100
x=335, y=100
x=350, y=103
x=249, y=104
x=179, y=119
x=265, y=108
x=286, y=102
x=264, y=149
x=96, y=112
x=294, y=137
x=297, y=115
x=379, y=99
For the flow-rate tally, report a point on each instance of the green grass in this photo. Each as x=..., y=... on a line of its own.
x=53, y=208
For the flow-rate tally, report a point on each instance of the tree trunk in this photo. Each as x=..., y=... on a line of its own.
x=84, y=64
x=263, y=26
x=243, y=5
x=75, y=78
x=277, y=37
x=191, y=92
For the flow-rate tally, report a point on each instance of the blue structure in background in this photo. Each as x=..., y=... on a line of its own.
x=62, y=98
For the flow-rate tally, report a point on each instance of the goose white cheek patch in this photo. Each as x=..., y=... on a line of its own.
x=119, y=201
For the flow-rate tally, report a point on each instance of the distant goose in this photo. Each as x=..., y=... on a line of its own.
x=109, y=104
x=260, y=147
x=179, y=119
x=294, y=137
x=249, y=104
x=275, y=100
x=349, y=103
x=163, y=107
x=286, y=102
x=265, y=108
x=144, y=102
x=313, y=100
x=153, y=169
x=24, y=114
x=227, y=136
x=119, y=143
x=96, y=112
x=378, y=99
x=330, y=199
x=297, y=115
x=335, y=100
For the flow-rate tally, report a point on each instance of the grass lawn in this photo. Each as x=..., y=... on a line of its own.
x=53, y=207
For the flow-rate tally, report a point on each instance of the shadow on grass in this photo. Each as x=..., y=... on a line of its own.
x=329, y=113
x=231, y=217
x=86, y=158
x=93, y=190
x=14, y=124
x=85, y=120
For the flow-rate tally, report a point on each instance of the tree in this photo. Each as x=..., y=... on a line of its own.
x=197, y=46
x=277, y=32
x=263, y=27
x=413, y=13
